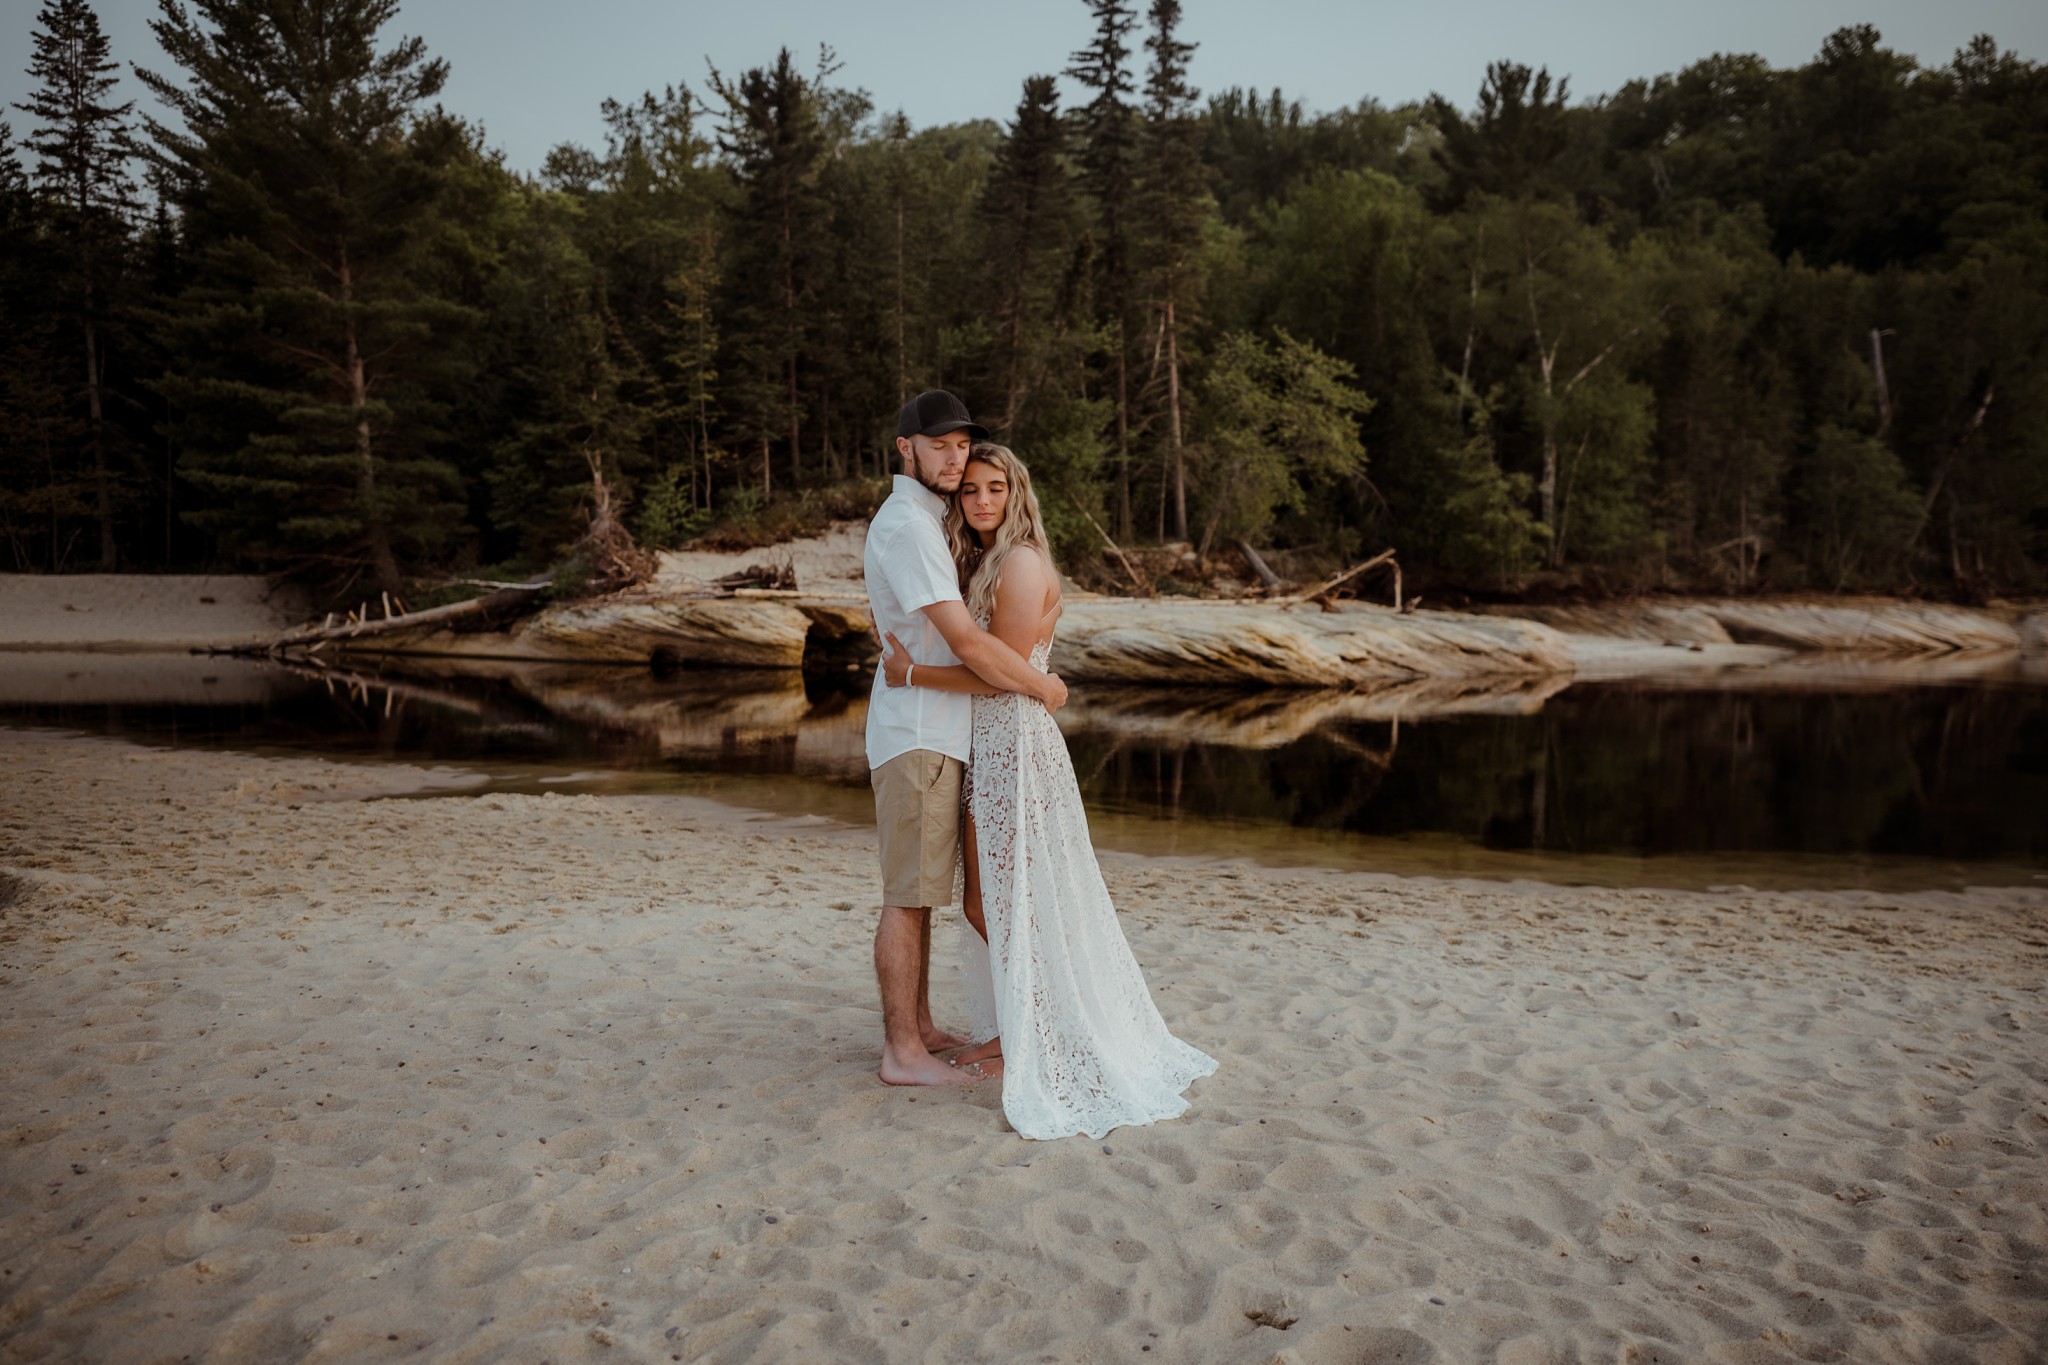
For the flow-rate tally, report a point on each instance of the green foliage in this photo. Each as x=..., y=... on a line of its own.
x=1478, y=523
x=1026, y=210
x=1109, y=131
x=1282, y=421
x=83, y=147
x=1732, y=327
x=1062, y=444
x=1261, y=148
x=667, y=514
x=776, y=138
x=750, y=520
x=1858, y=508
x=309, y=357
x=1510, y=145
x=555, y=345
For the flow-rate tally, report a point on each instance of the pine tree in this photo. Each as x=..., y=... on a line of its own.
x=650, y=232
x=772, y=134
x=84, y=144
x=1173, y=208
x=1513, y=139
x=41, y=498
x=310, y=356
x=564, y=380
x=1026, y=212
x=689, y=352
x=1108, y=161
x=905, y=298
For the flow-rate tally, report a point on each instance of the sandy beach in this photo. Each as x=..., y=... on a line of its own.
x=295, y=1073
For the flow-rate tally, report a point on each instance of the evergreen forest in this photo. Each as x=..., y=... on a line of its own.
x=1735, y=328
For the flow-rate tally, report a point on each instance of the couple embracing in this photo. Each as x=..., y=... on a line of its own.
x=972, y=779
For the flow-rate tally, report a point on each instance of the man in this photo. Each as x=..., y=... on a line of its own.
x=917, y=737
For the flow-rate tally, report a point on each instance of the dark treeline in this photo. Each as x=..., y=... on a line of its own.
x=1733, y=328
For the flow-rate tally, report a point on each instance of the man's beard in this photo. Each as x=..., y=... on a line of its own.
x=929, y=484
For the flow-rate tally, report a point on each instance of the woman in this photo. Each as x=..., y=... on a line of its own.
x=1083, y=1048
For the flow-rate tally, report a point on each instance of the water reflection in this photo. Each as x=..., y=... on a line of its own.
x=1610, y=769
x=1944, y=763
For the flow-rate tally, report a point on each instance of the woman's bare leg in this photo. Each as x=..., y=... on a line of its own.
x=970, y=906
x=970, y=862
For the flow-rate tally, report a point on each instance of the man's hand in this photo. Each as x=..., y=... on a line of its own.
x=1054, y=693
x=896, y=661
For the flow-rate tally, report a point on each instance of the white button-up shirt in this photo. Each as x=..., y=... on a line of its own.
x=909, y=568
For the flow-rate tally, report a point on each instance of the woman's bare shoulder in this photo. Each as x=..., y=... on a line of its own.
x=1027, y=573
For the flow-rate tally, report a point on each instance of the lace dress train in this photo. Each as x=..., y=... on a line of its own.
x=1084, y=1048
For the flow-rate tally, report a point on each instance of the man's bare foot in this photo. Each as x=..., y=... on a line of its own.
x=981, y=1052
x=921, y=1068
x=937, y=1039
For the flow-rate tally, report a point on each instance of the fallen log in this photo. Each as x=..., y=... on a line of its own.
x=513, y=595
x=1322, y=590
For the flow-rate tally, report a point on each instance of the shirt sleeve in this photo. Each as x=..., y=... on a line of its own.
x=919, y=570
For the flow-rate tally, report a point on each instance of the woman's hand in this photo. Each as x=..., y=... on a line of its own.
x=896, y=661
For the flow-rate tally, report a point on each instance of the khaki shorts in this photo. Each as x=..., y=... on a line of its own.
x=917, y=814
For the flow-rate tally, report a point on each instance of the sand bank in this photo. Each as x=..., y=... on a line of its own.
x=142, y=611
x=298, y=1075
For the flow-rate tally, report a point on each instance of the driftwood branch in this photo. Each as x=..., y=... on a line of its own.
x=779, y=574
x=1329, y=585
x=509, y=596
x=1136, y=574
x=1267, y=577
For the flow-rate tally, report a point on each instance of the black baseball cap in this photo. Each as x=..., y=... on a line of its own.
x=935, y=413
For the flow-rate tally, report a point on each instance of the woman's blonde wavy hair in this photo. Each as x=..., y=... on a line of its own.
x=1023, y=528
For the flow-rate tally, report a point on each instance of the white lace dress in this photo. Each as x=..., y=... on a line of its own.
x=1084, y=1048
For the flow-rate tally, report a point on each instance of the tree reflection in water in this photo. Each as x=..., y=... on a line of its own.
x=1862, y=760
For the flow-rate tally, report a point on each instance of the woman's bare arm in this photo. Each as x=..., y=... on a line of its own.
x=1021, y=598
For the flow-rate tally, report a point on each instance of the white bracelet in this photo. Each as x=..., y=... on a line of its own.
x=910, y=676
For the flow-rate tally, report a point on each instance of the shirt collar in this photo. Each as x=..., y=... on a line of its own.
x=934, y=503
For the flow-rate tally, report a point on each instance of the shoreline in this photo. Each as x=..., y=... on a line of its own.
x=829, y=808
x=564, y=1075
x=680, y=618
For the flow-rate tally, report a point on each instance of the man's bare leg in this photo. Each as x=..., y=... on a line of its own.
x=970, y=906
x=900, y=939
x=935, y=1038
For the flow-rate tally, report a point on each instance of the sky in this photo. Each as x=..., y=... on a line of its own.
x=533, y=72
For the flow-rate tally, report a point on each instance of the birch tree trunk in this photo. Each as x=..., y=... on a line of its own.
x=383, y=562
x=1173, y=427
x=1546, y=362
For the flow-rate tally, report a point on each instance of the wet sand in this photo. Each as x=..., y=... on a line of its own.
x=296, y=1073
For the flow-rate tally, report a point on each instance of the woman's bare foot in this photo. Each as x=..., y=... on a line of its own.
x=921, y=1068
x=937, y=1040
x=980, y=1052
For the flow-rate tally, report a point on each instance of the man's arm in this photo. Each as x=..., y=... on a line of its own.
x=992, y=660
x=897, y=663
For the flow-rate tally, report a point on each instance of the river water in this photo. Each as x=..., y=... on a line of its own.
x=1820, y=772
